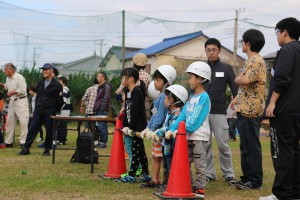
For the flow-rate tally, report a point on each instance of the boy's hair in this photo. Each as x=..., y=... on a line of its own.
x=175, y=98
x=63, y=79
x=291, y=25
x=157, y=74
x=255, y=38
x=103, y=74
x=213, y=41
x=32, y=88
x=131, y=72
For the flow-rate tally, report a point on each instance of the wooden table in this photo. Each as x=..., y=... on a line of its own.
x=80, y=120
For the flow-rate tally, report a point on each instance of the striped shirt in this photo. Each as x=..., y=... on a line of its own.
x=66, y=108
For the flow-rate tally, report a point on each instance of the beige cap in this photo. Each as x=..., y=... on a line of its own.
x=140, y=59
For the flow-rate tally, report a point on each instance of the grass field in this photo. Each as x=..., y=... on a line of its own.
x=35, y=177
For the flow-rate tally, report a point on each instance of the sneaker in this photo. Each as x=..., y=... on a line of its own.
x=2, y=146
x=9, y=145
x=42, y=145
x=161, y=188
x=149, y=184
x=231, y=181
x=123, y=175
x=128, y=179
x=101, y=145
x=271, y=197
x=46, y=152
x=246, y=186
x=39, y=140
x=145, y=178
x=24, y=152
x=199, y=192
x=138, y=172
x=208, y=179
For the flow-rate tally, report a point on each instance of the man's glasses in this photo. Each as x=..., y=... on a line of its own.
x=277, y=31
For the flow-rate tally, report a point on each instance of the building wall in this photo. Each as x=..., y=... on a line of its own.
x=113, y=63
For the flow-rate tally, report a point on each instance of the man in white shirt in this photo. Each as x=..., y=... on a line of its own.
x=18, y=104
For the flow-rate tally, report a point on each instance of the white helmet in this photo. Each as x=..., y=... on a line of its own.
x=152, y=91
x=168, y=72
x=179, y=91
x=201, y=69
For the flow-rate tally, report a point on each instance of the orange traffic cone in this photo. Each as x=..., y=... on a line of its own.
x=179, y=183
x=126, y=155
x=117, y=164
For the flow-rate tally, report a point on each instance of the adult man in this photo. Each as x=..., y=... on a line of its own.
x=49, y=101
x=221, y=75
x=284, y=112
x=18, y=104
x=97, y=101
x=139, y=62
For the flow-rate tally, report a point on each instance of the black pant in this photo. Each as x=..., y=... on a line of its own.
x=62, y=131
x=138, y=157
x=41, y=130
x=285, y=150
x=232, y=127
x=38, y=119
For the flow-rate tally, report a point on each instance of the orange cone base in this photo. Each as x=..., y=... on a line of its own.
x=161, y=196
x=107, y=175
x=167, y=194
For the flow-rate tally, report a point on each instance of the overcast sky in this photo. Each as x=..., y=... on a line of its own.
x=266, y=12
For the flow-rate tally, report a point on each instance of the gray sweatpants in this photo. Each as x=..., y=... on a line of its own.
x=219, y=126
x=196, y=153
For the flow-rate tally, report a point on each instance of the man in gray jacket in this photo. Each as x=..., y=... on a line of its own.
x=221, y=75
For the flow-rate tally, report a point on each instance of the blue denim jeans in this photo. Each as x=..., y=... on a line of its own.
x=103, y=128
x=128, y=147
x=250, y=149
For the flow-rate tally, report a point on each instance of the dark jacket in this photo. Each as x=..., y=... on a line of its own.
x=135, y=114
x=49, y=98
x=103, y=97
x=286, y=79
x=221, y=75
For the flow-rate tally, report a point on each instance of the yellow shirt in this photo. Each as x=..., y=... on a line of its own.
x=251, y=101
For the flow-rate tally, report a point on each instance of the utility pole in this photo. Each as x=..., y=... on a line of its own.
x=101, y=45
x=123, y=39
x=33, y=60
x=235, y=42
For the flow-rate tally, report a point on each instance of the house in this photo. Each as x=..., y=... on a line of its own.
x=88, y=65
x=180, y=51
x=112, y=62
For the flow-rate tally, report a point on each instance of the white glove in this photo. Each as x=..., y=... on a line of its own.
x=149, y=135
x=125, y=130
x=130, y=132
x=175, y=133
x=168, y=134
x=155, y=138
x=143, y=133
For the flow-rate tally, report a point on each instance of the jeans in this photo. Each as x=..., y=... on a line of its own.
x=103, y=128
x=128, y=146
x=250, y=149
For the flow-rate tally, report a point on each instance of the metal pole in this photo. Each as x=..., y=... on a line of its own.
x=123, y=39
x=235, y=42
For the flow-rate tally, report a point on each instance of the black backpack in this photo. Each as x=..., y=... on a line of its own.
x=83, y=152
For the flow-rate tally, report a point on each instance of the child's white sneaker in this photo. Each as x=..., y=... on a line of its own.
x=39, y=140
x=271, y=197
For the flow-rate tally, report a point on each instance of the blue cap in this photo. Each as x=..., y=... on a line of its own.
x=47, y=66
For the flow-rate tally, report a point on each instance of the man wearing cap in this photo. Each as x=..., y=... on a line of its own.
x=139, y=62
x=18, y=105
x=49, y=101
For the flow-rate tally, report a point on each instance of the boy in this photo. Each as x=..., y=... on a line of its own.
x=163, y=76
x=249, y=107
x=195, y=114
x=65, y=111
x=135, y=121
x=175, y=98
x=284, y=112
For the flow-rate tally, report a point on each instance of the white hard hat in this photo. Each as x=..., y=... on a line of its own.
x=201, y=69
x=168, y=72
x=152, y=91
x=179, y=91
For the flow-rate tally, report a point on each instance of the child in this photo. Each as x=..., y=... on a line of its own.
x=65, y=111
x=135, y=121
x=175, y=98
x=250, y=105
x=195, y=114
x=32, y=92
x=164, y=76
